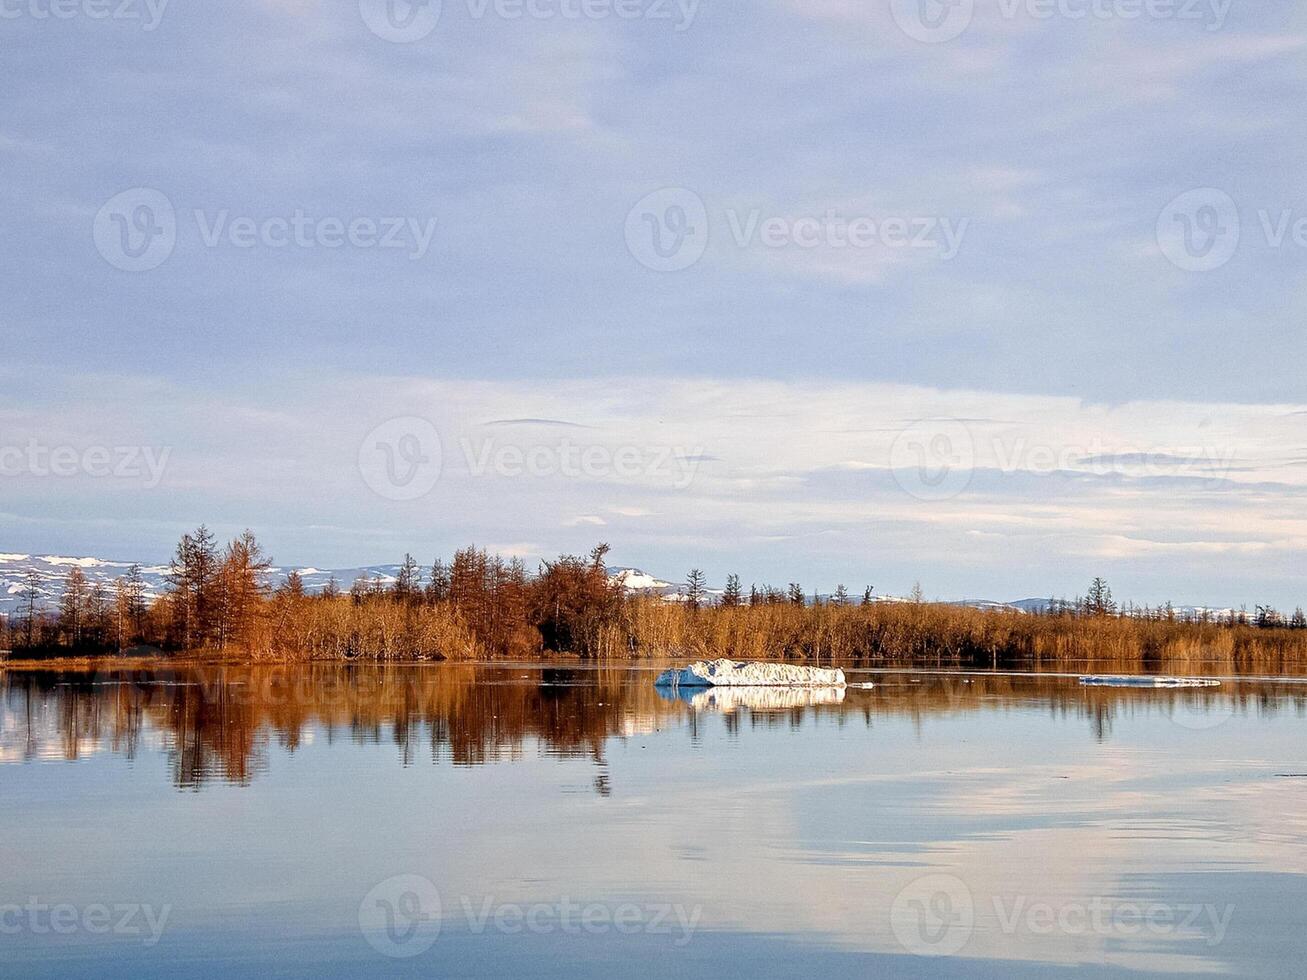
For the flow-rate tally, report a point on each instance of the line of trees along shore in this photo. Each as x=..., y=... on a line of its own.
x=482, y=606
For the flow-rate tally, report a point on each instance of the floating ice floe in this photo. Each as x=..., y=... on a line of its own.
x=736, y=673
x=1102, y=680
x=734, y=697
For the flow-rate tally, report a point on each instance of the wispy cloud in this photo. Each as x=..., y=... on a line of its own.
x=1032, y=489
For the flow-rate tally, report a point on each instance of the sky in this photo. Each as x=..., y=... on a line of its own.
x=992, y=295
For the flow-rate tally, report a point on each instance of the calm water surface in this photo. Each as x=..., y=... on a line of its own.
x=471, y=821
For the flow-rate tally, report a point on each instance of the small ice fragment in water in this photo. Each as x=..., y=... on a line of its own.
x=736, y=673
x=1104, y=680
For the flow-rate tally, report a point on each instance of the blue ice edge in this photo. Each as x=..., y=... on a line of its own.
x=745, y=673
x=1107, y=680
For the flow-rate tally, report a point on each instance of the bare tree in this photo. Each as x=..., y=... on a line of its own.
x=31, y=592
x=73, y=606
x=241, y=586
x=192, y=574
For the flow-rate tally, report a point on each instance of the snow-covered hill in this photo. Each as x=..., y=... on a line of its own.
x=641, y=581
x=637, y=580
x=52, y=570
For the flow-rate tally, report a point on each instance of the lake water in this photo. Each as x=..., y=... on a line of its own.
x=514, y=821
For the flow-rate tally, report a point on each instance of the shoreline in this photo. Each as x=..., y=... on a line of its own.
x=202, y=660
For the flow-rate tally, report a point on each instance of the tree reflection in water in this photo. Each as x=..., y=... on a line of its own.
x=218, y=723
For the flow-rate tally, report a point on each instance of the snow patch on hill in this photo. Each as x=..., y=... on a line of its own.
x=77, y=562
x=638, y=581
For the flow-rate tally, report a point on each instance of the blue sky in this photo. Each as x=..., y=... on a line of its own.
x=921, y=306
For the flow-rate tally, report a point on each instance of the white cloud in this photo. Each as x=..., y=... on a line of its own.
x=826, y=467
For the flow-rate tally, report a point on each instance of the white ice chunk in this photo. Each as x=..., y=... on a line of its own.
x=1103, y=680
x=735, y=673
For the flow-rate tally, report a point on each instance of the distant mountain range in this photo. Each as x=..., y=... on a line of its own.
x=52, y=570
